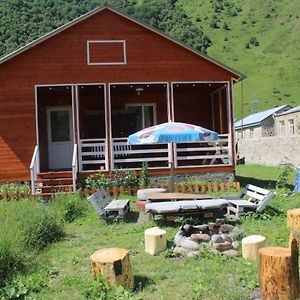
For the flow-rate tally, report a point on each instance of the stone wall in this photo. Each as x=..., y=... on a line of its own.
x=270, y=150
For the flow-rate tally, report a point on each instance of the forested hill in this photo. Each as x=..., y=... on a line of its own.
x=260, y=38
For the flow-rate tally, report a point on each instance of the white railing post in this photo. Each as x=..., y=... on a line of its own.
x=74, y=167
x=34, y=168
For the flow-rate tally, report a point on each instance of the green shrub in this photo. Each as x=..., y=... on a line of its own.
x=69, y=207
x=42, y=228
x=144, y=177
x=286, y=170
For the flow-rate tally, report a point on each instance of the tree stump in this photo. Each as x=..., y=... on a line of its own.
x=293, y=219
x=155, y=240
x=278, y=271
x=251, y=244
x=114, y=265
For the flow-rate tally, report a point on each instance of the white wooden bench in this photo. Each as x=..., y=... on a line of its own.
x=252, y=198
x=107, y=207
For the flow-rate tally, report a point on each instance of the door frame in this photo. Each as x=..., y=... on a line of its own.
x=59, y=108
x=73, y=114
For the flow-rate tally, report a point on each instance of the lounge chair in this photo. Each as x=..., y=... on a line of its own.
x=252, y=198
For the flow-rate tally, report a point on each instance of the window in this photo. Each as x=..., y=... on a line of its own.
x=145, y=115
x=251, y=132
x=281, y=128
x=291, y=127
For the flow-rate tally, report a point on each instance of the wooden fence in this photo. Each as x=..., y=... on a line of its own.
x=116, y=191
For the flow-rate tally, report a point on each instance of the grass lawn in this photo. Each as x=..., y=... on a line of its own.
x=66, y=266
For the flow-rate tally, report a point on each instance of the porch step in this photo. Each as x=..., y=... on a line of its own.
x=54, y=189
x=54, y=182
x=55, y=175
x=49, y=183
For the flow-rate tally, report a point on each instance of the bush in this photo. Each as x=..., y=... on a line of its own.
x=144, y=177
x=286, y=170
x=69, y=207
x=42, y=228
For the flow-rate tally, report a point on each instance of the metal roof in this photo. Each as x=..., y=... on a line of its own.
x=257, y=118
x=96, y=10
x=290, y=111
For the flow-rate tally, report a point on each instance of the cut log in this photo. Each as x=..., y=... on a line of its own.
x=114, y=265
x=293, y=219
x=279, y=272
x=251, y=244
x=155, y=240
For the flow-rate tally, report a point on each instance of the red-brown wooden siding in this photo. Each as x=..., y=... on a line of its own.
x=62, y=59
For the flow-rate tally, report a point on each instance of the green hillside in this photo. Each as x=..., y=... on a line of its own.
x=260, y=38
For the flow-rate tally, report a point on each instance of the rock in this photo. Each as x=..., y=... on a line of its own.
x=193, y=254
x=213, y=228
x=230, y=252
x=188, y=230
x=235, y=244
x=189, y=244
x=236, y=233
x=181, y=250
x=178, y=239
x=202, y=228
x=226, y=237
x=222, y=246
x=226, y=228
x=201, y=237
x=216, y=238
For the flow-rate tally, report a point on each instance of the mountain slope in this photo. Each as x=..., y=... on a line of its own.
x=261, y=39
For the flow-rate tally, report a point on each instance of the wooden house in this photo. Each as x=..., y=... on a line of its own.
x=69, y=100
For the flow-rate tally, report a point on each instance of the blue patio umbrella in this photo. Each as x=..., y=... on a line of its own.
x=297, y=183
x=172, y=132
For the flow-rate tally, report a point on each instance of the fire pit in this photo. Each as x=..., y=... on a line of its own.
x=219, y=237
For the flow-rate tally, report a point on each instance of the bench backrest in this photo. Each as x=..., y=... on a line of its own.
x=99, y=200
x=258, y=195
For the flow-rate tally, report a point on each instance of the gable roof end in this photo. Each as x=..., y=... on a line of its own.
x=257, y=118
x=239, y=76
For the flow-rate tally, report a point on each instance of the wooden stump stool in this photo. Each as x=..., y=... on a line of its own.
x=293, y=219
x=278, y=271
x=251, y=244
x=155, y=240
x=114, y=265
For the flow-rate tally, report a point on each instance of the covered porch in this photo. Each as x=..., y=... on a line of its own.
x=88, y=125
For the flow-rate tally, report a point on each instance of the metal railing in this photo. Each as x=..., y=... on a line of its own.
x=74, y=167
x=34, y=168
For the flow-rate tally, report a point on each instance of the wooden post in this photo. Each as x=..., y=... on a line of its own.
x=114, y=265
x=279, y=271
x=293, y=219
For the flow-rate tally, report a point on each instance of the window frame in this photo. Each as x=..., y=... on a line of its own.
x=281, y=127
x=143, y=105
x=291, y=127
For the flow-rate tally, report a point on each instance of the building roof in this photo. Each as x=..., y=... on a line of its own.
x=239, y=75
x=290, y=111
x=257, y=118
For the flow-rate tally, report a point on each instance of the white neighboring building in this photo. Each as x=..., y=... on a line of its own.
x=288, y=122
x=261, y=124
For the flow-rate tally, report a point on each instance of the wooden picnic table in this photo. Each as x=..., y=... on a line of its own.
x=160, y=197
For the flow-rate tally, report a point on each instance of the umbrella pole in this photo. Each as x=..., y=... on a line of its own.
x=172, y=179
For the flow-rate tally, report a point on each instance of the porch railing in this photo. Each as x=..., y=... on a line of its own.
x=132, y=156
x=74, y=167
x=34, y=168
x=203, y=153
x=92, y=154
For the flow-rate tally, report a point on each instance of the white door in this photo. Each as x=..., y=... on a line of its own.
x=60, y=137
